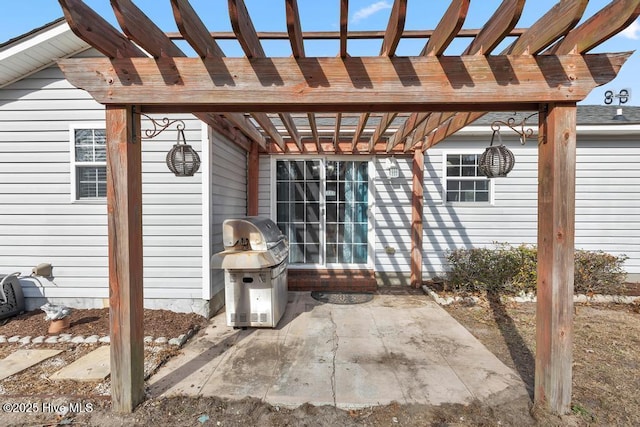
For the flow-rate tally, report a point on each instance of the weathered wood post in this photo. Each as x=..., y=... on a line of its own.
x=417, y=211
x=556, y=227
x=124, y=206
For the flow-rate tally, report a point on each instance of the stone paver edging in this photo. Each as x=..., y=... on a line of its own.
x=595, y=298
x=91, y=339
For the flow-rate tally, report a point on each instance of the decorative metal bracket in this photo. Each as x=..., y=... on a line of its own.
x=518, y=128
x=161, y=126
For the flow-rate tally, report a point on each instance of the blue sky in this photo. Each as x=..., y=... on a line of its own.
x=22, y=16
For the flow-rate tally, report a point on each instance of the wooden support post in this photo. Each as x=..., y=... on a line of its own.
x=556, y=226
x=253, y=173
x=124, y=206
x=417, y=211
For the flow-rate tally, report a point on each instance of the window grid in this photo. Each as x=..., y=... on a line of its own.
x=90, y=157
x=298, y=208
x=347, y=217
x=464, y=182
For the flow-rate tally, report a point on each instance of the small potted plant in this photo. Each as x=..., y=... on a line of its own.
x=59, y=317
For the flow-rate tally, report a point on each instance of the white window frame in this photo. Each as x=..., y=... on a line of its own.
x=75, y=164
x=446, y=178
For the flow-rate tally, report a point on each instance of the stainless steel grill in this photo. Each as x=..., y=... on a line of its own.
x=255, y=260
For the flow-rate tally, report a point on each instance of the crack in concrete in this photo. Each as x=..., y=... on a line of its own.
x=334, y=350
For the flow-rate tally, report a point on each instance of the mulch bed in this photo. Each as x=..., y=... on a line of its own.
x=95, y=321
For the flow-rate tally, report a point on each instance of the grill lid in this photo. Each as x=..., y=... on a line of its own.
x=251, y=243
x=250, y=233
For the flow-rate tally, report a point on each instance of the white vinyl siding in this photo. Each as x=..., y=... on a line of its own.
x=607, y=203
x=39, y=223
x=228, y=194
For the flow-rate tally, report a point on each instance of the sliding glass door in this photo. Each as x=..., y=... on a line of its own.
x=322, y=206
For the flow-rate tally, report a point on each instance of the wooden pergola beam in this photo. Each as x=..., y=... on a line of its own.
x=294, y=28
x=248, y=39
x=557, y=22
x=92, y=28
x=499, y=26
x=609, y=21
x=553, y=25
x=193, y=29
x=314, y=84
x=344, y=27
x=412, y=122
x=336, y=131
x=385, y=121
x=447, y=28
x=124, y=217
x=395, y=28
x=417, y=214
x=196, y=34
x=556, y=231
x=362, y=122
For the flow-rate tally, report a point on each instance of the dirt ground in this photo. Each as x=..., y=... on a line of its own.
x=606, y=380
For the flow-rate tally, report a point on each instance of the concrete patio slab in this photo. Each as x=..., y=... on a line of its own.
x=20, y=360
x=402, y=348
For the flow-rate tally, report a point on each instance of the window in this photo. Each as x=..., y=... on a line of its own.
x=464, y=183
x=89, y=163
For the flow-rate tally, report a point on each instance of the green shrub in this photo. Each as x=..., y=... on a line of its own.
x=511, y=270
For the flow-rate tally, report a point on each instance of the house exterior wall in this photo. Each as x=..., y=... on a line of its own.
x=607, y=204
x=39, y=222
x=228, y=200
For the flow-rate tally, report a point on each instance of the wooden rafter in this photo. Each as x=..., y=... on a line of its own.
x=351, y=35
x=244, y=30
x=497, y=28
x=344, y=29
x=248, y=39
x=362, y=122
x=447, y=28
x=193, y=30
x=492, y=33
x=145, y=33
x=139, y=28
x=444, y=33
x=196, y=34
x=556, y=23
x=413, y=121
x=608, y=22
x=336, y=131
x=294, y=28
x=92, y=28
x=314, y=130
x=385, y=121
x=395, y=27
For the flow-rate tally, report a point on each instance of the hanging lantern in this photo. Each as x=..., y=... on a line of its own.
x=497, y=160
x=182, y=159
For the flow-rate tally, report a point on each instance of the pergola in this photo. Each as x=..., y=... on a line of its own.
x=253, y=101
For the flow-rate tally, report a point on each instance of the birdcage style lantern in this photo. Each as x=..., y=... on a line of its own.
x=182, y=159
x=497, y=160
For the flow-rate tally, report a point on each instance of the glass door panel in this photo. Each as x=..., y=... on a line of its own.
x=298, y=208
x=323, y=208
x=347, y=208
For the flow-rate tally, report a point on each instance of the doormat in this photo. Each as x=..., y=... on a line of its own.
x=342, y=297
